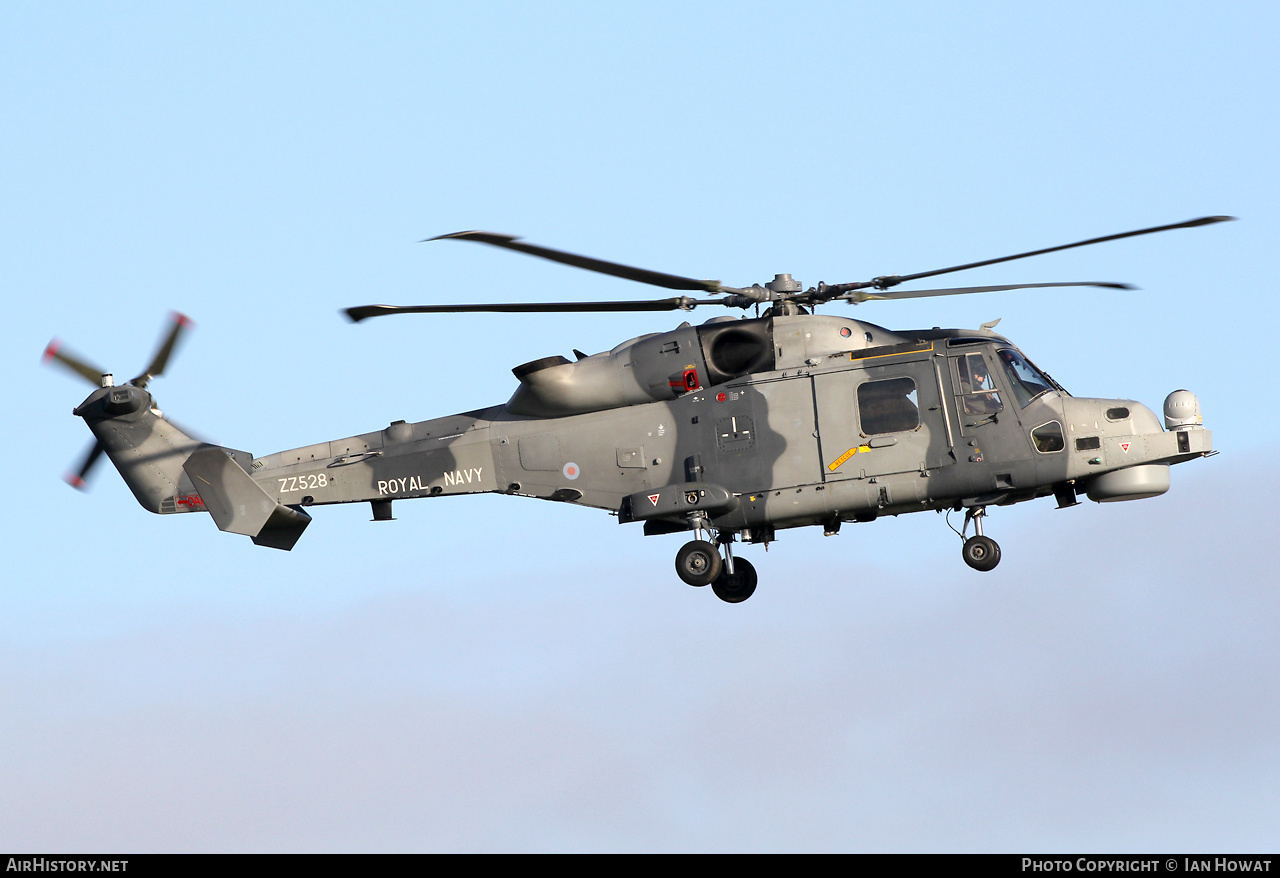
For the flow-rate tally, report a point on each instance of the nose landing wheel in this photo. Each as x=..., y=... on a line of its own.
x=980, y=552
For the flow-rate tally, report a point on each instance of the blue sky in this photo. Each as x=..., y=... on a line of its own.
x=494, y=674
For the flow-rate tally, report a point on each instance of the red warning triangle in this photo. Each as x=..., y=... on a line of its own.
x=653, y=498
x=1124, y=446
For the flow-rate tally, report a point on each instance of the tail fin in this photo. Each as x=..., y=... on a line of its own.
x=169, y=471
x=238, y=504
x=146, y=449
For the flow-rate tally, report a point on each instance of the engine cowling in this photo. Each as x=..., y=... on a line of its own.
x=652, y=368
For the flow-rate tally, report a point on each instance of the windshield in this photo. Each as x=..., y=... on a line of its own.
x=1027, y=381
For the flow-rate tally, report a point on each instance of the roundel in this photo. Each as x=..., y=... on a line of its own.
x=571, y=470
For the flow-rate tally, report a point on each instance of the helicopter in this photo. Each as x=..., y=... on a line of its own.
x=729, y=431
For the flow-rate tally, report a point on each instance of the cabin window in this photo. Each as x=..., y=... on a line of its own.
x=1027, y=381
x=1048, y=437
x=978, y=392
x=888, y=406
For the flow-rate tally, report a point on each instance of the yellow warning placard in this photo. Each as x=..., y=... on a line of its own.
x=839, y=461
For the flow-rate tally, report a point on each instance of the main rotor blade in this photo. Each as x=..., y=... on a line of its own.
x=858, y=296
x=55, y=351
x=156, y=367
x=189, y=433
x=643, y=275
x=679, y=303
x=883, y=283
x=77, y=479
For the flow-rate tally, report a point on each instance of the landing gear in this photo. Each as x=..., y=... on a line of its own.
x=736, y=587
x=698, y=563
x=980, y=552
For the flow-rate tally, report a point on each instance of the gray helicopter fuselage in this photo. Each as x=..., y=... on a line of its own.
x=733, y=429
x=848, y=421
x=739, y=427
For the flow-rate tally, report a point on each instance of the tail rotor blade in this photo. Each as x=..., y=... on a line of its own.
x=57, y=353
x=77, y=479
x=155, y=368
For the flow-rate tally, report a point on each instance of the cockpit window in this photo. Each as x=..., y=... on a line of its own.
x=1048, y=437
x=1027, y=381
x=979, y=395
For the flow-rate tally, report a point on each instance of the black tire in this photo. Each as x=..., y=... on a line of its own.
x=739, y=586
x=698, y=563
x=981, y=553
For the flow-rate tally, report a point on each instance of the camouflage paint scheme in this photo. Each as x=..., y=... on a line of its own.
x=746, y=426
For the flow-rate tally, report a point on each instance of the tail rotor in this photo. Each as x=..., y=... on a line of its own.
x=77, y=478
x=56, y=352
x=178, y=324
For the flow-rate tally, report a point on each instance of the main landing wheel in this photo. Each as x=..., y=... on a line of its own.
x=736, y=587
x=698, y=562
x=981, y=553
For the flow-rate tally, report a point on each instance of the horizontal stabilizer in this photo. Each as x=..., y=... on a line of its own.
x=283, y=528
x=238, y=504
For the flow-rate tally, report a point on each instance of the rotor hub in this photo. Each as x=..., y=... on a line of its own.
x=784, y=283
